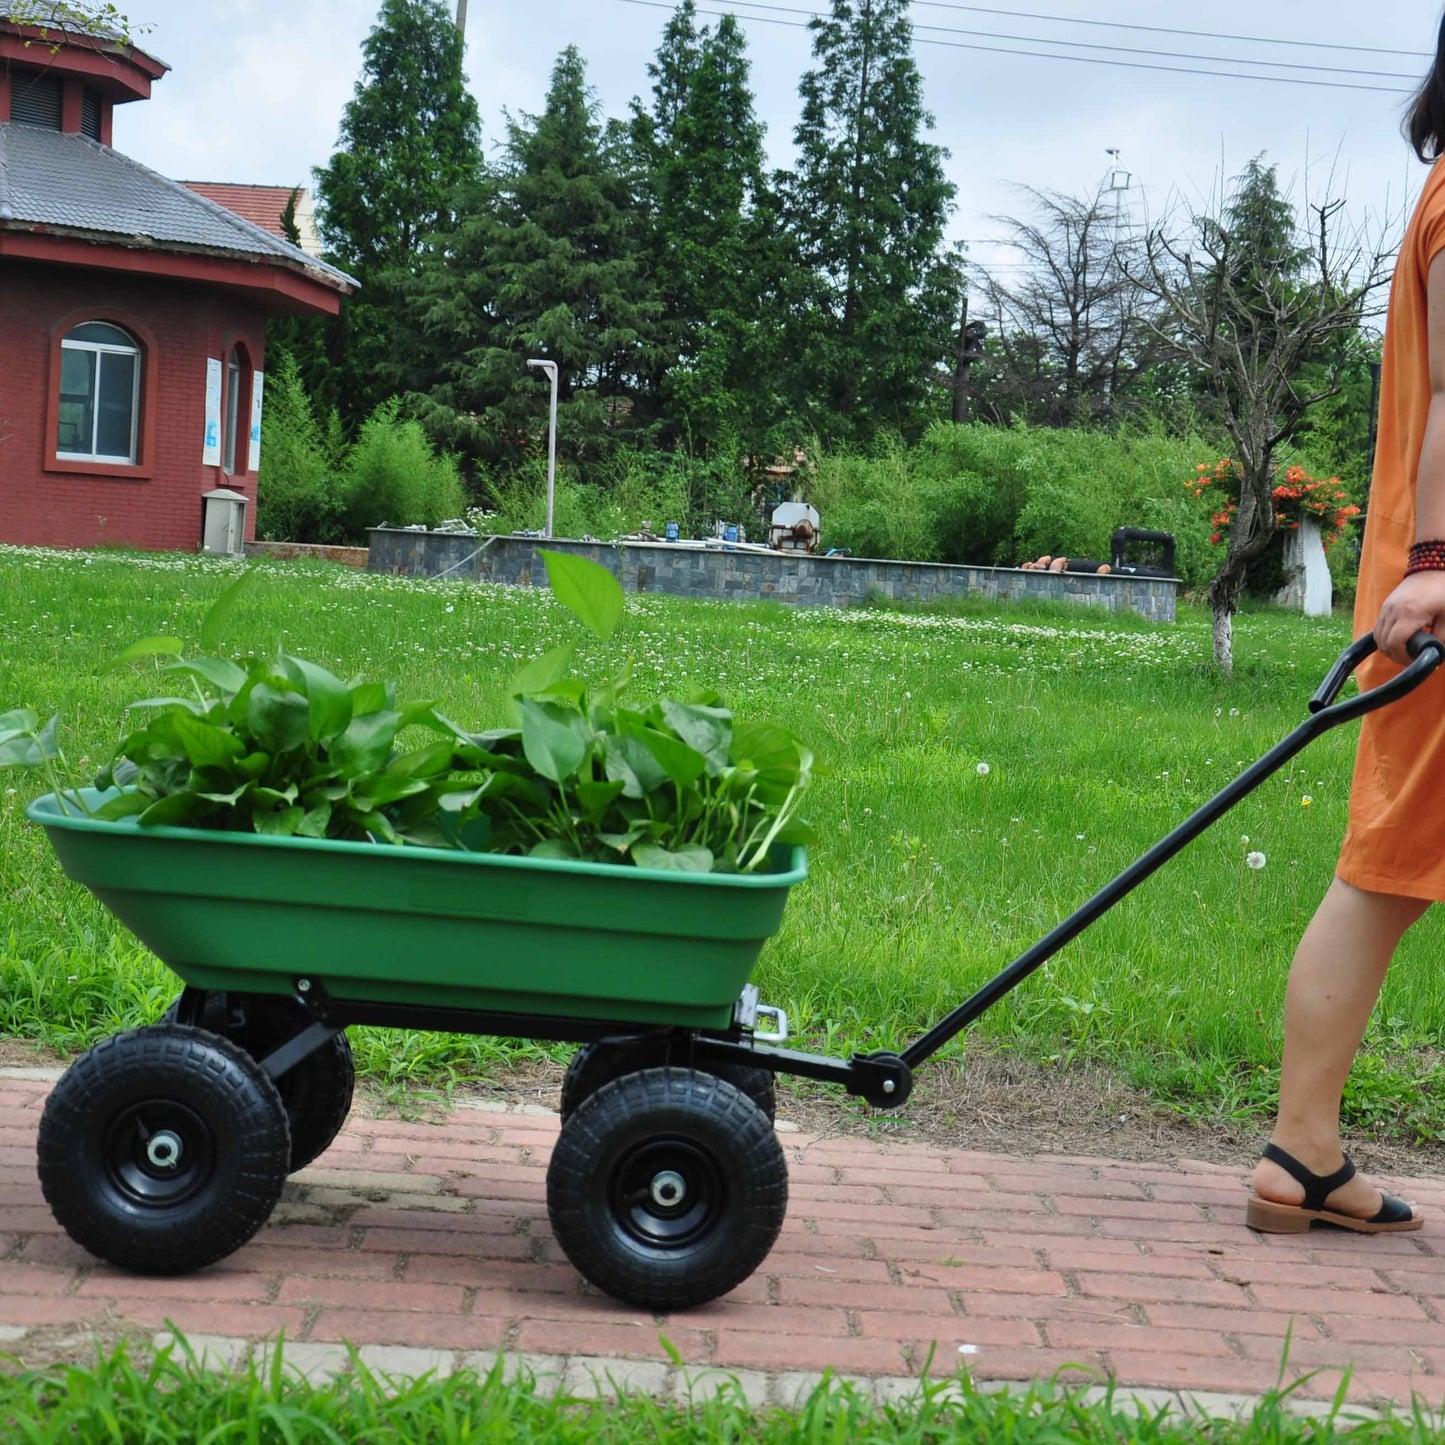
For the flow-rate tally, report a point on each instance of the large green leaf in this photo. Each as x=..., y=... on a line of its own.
x=587, y=589
x=370, y=697
x=681, y=860
x=178, y=810
x=542, y=672
x=279, y=719
x=207, y=746
x=18, y=722
x=330, y=698
x=213, y=624
x=596, y=798
x=283, y=824
x=554, y=738
x=708, y=729
x=779, y=759
x=684, y=765
x=220, y=672
x=366, y=745
x=127, y=805
x=21, y=752
x=629, y=761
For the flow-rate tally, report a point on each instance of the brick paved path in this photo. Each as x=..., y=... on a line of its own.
x=435, y=1238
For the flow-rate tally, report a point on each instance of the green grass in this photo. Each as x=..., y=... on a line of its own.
x=1099, y=736
x=174, y=1401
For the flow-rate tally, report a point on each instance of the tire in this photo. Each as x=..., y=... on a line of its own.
x=594, y=1065
x=317, y=1093
x=667, y=1188
x=163, y=1150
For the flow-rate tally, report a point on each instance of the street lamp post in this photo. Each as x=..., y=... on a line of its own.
x=549, y=369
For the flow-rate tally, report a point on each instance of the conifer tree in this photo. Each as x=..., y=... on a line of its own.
x=543, y=263
x=709, y=254
x=410, y=135
x=867, y=207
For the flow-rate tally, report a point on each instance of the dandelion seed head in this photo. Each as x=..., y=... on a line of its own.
x=984, y=770
x=1256, y=861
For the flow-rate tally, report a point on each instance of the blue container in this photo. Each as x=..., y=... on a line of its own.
x=673, y=531
x=730, y=534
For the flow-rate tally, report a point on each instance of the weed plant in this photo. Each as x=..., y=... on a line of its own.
x=988, y=772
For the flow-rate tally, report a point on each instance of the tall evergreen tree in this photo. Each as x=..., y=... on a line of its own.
x=410, y=136
x=544, y=263
x=711, y=259
x=868, y=207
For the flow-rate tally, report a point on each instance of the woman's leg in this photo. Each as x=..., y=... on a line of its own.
x=1333, y=987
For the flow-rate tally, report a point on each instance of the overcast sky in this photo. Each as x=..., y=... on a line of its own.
x=257, y=88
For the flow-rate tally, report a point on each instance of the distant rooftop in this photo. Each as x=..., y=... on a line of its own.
x=60, y=183
x=264, y=206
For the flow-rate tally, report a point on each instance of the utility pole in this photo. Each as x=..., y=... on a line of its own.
x=462, y=16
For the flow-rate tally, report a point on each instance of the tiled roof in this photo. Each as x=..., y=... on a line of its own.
x=54, y=180
x=263, y=206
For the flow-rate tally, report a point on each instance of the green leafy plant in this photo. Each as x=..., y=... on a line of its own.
x=281, y=746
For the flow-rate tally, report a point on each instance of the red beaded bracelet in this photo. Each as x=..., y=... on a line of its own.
x=1427, y=556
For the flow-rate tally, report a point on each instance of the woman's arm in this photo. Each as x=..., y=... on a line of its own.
x=1418, y=603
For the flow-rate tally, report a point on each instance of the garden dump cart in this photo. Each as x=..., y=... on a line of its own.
x=165, y=1148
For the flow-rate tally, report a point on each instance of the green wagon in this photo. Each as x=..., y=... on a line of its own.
x=166, y=1148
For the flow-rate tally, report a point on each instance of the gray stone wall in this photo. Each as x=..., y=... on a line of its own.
x=760, y=577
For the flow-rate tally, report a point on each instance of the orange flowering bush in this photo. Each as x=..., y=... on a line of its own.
x=1297, y=495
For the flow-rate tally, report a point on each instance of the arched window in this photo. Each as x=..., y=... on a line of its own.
x=238, y=397
x=100, y=381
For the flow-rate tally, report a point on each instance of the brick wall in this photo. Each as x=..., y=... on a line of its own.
x=180, y=324
x=762, y=576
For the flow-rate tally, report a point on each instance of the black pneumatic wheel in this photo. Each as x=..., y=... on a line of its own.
x=163, y=1150
x=667, y=1188
x=594, y=1065
x=317, y=1093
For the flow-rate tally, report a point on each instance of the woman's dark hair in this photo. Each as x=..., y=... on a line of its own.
x=1425, y=118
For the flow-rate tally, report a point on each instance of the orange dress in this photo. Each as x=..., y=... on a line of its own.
x=1396, y=838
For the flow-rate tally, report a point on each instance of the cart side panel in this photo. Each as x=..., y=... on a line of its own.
x=229, y=911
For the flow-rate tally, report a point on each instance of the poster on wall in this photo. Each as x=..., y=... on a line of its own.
x=253, y=461
x=211, y=457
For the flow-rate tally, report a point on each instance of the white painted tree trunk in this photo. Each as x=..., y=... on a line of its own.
x=1308, y=587
x=1224, y=642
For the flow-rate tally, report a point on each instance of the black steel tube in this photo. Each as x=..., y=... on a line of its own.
x=1428, y=653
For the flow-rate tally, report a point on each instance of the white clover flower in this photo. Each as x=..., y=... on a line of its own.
x=984, y=770
x=1256, y=861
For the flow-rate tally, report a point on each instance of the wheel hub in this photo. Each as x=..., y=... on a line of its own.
x=158, y=1153
x=164, y=1149
x=669, y=1189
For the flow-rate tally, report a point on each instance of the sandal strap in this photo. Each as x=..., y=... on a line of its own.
x=1317, y=1187
x=1393, y=1211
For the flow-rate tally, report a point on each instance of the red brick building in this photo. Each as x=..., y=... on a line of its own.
x=132, y=314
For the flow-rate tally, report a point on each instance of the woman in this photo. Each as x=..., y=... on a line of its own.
x=1393, y=864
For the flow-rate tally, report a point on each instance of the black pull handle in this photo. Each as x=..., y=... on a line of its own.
x=1427, y=650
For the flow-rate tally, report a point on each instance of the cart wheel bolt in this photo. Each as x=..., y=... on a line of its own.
x=669, y=1189
x=889, y=1087
x=163, y=1149
x=303, y=985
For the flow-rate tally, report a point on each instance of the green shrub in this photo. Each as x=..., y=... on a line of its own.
x=998, y=496
x=396, y=478
x=301, y=495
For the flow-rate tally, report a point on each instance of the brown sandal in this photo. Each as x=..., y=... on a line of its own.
x=1267, y=1217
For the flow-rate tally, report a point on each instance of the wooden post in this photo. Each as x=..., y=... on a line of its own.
x=462, y=16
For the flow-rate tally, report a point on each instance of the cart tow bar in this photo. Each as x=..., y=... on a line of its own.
x=1326, y=713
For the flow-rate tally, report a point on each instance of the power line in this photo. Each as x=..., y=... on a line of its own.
x=670, y=5
x=1118, y=49
x=1169, y=30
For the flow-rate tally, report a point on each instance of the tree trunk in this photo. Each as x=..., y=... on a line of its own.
x=1224, y=641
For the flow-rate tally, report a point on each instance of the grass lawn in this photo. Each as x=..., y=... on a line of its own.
x=1099, y=734
x=175, y=1402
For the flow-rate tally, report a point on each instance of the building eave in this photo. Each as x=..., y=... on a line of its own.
x=279, y=285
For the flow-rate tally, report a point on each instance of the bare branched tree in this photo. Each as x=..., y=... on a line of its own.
x=1251, y=332
x=1075, y=332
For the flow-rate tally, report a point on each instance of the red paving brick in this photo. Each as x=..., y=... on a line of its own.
x=892, y=1255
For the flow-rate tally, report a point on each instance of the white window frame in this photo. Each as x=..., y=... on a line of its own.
x=102, y=348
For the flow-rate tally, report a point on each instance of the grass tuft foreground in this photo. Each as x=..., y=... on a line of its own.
x=177, y=1400
x=987, y=771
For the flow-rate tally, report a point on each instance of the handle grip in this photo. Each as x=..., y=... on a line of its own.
x=1427, y=650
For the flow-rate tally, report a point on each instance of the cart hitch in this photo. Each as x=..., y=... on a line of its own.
x=883, y=1080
